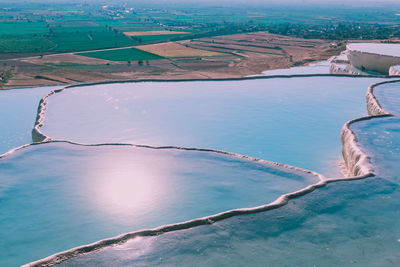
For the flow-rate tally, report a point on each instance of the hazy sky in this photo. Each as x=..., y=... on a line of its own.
x=272, y=1
x=266, y=2
x=216, y=2
x=305, y=3
x=362, y=3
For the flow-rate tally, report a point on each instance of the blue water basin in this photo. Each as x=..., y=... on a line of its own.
x=56, y=196
x=296, y=121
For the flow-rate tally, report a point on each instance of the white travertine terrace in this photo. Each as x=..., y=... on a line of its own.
x=344, y=68
x=374, y=57
x=340, y=59
x=394, y=70
x=356, y=160
x=341, y=65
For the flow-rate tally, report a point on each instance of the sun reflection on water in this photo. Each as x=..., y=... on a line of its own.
x=127, y=189
x=129, y=186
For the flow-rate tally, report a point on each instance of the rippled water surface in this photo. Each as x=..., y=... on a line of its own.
x=380, y=137
x=352, y=223
x=57, y=196
x=296, y=121
x=388, y=95
x=343, y=224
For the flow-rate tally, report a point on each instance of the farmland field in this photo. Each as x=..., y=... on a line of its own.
x=159, y=38
x=246, y=41
x=204, y=58
x=134, y=27
x=109, y=22
x=41, y=27
x=122, y=55
x=58, y=39
x=72, y=65
x=22, y=28
x=89, y=40
x=176, y=50
x=146, y=33
x=25, y=43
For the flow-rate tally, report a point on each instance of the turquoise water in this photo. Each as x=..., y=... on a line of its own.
x=380, y=137
x=17, y=116
x=343, y=224
x=381, y=140
x=56, y=196
x=352, y=223
x=388, y=95
x=296, y=121
x=321, y=67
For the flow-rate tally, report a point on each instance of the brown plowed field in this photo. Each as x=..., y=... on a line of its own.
x=228, y=56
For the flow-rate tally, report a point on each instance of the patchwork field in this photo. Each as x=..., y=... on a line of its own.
x=44, y=28
x=149, y=39
x=228, y=56
x=153, y=33
x=125, y=54
x=60, y=41
x=22, y=28
x=156, y=36
x=71, y=58
x=171, y=50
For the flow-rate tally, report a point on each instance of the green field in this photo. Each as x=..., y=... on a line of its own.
x=73, y=27
x=77, y=29
x=138, y=27
x=64, y=39
x=90, y=40
x=22, y=28
x=145, y=39
x=25, y=43
x=109, y=22
x=126, y=54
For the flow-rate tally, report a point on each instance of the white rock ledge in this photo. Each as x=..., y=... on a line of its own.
x=374, y=57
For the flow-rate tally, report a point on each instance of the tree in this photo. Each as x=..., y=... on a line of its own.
x=5, y=76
